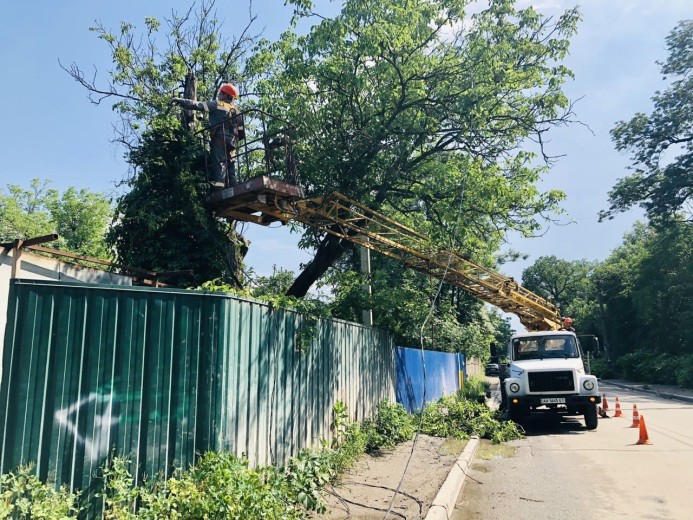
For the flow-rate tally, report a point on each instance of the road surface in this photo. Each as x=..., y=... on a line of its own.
x=561, y=470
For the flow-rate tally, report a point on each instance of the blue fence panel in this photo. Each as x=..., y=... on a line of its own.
x=442, y=376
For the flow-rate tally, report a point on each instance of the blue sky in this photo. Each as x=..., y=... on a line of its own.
x=51, y=131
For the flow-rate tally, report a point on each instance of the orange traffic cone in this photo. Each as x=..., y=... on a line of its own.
x=636, y=418
x=618, y=409
x=606, y=404
x=643, y=438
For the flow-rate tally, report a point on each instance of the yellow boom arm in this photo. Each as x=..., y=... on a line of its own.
x=263, y=200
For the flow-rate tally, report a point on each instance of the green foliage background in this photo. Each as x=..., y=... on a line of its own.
x=78, y=216
x=637, y=301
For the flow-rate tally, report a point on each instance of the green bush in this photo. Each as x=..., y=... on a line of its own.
x=220, y=486
x=652, y=367
x=24, y=496
x=457, y=417
x=649, y=367
x=307, y=474
x=684, y=371
x=603, y=369
x=391, y=425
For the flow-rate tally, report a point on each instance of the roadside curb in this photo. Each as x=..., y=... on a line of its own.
x=665, y=395
x=444, y=502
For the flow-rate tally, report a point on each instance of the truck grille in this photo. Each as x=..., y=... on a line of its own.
x=551, y=381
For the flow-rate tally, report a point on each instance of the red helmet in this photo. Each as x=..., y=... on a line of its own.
x=229, y=90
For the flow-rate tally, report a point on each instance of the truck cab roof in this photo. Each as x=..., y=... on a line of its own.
x=542, y=333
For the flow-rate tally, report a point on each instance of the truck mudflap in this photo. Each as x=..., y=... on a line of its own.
x=548, y=400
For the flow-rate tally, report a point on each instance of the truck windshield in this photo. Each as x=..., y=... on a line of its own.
x=541, y=347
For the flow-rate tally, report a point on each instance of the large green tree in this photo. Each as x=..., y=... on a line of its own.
x=645, y=286
x=661, y=143
x=637, y=301
x=557, y=280
x=418, y=109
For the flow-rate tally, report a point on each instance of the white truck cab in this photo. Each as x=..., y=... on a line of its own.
x=545, y=372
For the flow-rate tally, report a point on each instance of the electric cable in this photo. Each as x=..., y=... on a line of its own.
x=421, y=342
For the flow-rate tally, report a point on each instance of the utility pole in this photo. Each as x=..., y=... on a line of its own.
x=602, y=318
x=366, y=270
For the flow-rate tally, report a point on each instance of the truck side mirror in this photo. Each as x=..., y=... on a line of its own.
x=494, y=353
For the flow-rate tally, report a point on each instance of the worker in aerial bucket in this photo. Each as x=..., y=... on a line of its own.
x=226, y=129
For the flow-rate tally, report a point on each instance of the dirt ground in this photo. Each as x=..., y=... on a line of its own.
x=367, y=490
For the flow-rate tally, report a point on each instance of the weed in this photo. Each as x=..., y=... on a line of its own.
x=23, y=495
x=340, y=420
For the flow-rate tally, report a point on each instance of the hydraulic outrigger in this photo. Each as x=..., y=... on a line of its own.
x=264, y=200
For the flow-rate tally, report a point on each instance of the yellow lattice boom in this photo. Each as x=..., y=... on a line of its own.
x=263, y=200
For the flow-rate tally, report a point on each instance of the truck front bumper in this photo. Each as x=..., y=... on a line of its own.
x=569, y=401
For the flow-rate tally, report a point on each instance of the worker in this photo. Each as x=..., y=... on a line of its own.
x=567, y=324
x=226, y=129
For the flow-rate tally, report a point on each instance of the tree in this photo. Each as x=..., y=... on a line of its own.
x=662, y=290
x=81, y=220
x=162, y=224
x=661, y=144
x=25, y=213
x=646, y=285
x=560, y=281
x=79, y=217
x=418, y=110
x=415, y=109
x=277, y=283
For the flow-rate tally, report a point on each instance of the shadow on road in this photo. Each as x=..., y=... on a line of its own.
x=552, y=424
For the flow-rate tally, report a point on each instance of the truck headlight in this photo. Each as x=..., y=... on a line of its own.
x=588, y=385
x=514, y=387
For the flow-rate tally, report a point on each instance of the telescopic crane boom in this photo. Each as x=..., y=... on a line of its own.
x=263, y=200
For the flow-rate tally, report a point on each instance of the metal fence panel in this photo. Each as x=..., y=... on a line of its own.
x=439, y=370
x=280, y=393
x=160, y=375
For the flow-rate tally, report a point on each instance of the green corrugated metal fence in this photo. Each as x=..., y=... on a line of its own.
x=160, y=375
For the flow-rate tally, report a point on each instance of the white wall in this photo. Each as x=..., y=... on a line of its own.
x=35, y=267
x=474, y=367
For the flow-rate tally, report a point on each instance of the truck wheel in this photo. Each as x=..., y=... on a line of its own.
x=591, y=416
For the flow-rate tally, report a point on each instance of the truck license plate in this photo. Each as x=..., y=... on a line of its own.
x=552, y=400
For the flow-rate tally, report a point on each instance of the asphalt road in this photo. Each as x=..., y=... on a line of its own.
x=561, y=470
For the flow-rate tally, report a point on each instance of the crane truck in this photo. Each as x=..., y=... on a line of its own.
x=544, y=367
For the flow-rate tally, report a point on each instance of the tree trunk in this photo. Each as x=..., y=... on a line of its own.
x=330, y=250
x=190, y=92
